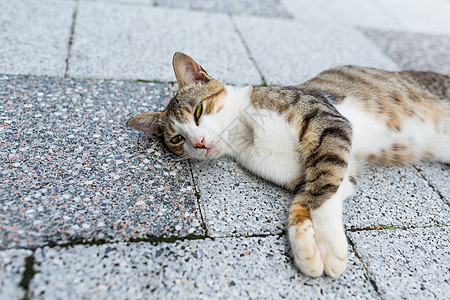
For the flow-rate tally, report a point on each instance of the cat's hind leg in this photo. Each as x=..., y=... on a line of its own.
x=439, y=149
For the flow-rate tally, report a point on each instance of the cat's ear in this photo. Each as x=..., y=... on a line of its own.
x=148, y=122
x=187, y=70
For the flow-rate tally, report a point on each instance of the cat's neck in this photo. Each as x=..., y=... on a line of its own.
x=237, y=101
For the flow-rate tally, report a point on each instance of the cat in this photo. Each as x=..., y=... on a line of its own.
x=311, y=138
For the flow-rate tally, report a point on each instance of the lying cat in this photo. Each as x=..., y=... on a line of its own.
x=309, y=138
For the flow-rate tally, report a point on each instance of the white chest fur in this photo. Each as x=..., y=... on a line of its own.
x=272, y=152
x=261, y=141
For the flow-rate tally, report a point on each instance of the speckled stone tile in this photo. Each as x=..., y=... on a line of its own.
x=407, y=15
x=267, y=8
x=438, y=176
x=34, y=36
x=236, y=203
x=414, y=51
x=341, y=12
x=398, y=196
x=12, y=266
x=406, y=264
x=121, y=41
x=305, y=49
x=431, y=16
x=202, y=269
x=70, y=168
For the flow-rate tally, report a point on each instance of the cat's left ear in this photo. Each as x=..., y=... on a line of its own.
x=148, y=122
x=188, y=71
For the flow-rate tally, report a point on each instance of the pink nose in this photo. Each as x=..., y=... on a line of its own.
x=199, y=145
x=199, y=142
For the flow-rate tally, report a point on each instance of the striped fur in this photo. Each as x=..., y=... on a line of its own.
x=309, y=138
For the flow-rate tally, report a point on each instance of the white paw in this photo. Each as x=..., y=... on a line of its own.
x=317, y=252
x=334, y=252
x=304, y=249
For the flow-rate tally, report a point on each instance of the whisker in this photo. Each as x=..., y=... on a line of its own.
x=183, y=157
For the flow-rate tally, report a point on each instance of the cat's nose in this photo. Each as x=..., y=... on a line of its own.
x=199, y=143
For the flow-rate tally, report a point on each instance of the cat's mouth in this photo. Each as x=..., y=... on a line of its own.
x=211, y=150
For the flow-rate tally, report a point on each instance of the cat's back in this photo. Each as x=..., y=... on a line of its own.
x=380, y=85
x=397, y=117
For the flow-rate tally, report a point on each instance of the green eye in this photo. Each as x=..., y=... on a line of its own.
x=176, y=139
x=198, y=112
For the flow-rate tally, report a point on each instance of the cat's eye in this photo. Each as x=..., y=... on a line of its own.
x=176, y=139
x=198, y=112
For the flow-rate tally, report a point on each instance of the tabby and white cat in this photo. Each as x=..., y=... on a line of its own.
x=309, y=138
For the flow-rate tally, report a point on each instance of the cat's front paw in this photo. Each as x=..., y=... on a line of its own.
x=304, y=249
x=334, y=252
x=316, y=252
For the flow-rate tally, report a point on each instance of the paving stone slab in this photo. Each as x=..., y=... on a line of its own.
x=70, y=168
x=398, y=15
x=397, y=196
x=12, y=266
x=237, y=203
x=431, y=16
x=414, y=51
x=306, y=49
x=34, y=36
x=406, y=264
x=437, y=175
x=269, y=8
x=339, y=12
x=197, y=269
x=137, y=42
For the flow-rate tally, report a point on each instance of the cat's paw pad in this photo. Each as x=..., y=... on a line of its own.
x=334, y=253
x=304, y=249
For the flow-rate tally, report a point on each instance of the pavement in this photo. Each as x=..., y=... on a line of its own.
x=93, y=210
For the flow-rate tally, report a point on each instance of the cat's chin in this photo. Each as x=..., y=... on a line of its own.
x=214, y=151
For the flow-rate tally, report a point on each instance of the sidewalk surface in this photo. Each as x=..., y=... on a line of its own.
x=90, y=209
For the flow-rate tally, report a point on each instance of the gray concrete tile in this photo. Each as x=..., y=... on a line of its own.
x=437, y=175
x=398, y=15
x=138, y=42
x=12, y=266
x=268, y=8
x=414, y=51
x=338, y=12
x=237, y=203
x=70, y=168
x=394, y=196
x=201, y=269
x=431, y=16
x=306, y=49
x=406, y=264
x=34, y=36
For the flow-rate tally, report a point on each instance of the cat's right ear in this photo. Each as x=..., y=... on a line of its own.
x=148, y=122
x=188, y=71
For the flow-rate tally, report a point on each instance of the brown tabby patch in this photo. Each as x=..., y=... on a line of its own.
x=392, y=97
x=298, y=212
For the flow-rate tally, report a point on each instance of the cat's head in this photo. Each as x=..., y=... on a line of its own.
x=190, y=124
